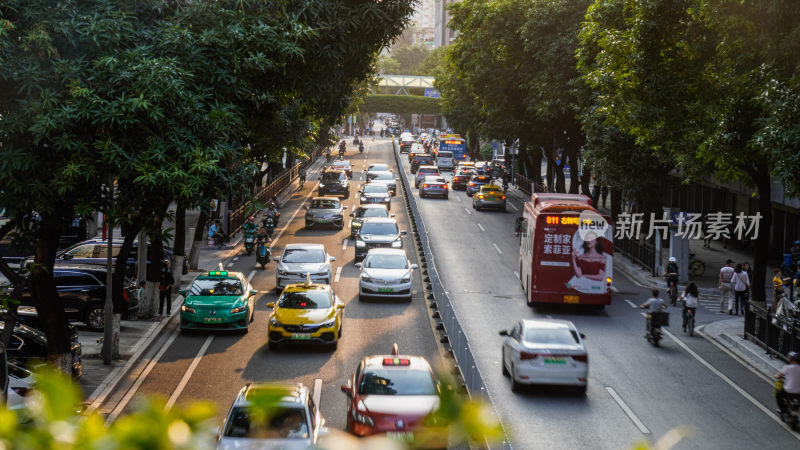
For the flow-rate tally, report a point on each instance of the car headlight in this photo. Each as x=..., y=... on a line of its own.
x=188, y=309
x=282, y=271
x=239, y=309
x=365, y=277
x=355, y=224
x=360, y=243
x=275, y=323
x=397, y=243
x=321, y=185
x=362, y=418
x=328, y=324
x=387, y=198
x=406, y=279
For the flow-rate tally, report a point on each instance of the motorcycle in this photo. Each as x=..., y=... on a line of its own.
x=361, y=148
x=262, y=253
x=654, y=323
x=792, y=415
x=269, y=226
x=249, y=241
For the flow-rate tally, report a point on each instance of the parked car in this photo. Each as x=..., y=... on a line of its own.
x=21, y=383
x=82, y=290
x=325, y=211
x=28, y=346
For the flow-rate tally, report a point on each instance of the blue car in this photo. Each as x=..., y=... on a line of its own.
x=476, y=182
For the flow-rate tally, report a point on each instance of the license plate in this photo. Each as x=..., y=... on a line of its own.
x=212, y=320
x=301, y=336
x=405, y=436
x=323, y=221
x=554, y=360
x=570, y=299
x=491, y=197
x=385, y=290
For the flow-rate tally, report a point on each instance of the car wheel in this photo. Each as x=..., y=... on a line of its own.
x=334, y=346
x=274, y=346
x=361, y=298
x=252, y=315
x=515, y=386
x=245, y=330
x=581, y=390
x=503, y=364
x=95, y=316
x=308, y=224
x=446, y=196
x=340, y=226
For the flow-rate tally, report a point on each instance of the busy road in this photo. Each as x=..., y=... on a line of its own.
x=213, y=366
x=635, y=391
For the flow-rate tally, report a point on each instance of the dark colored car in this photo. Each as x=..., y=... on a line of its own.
x=424, y=159
x=378, y=232
x=334, y=182
x=364, y=211
x=433, y=186
x=476, y=182
x=461, y=178
x=29, y=346
x=82, y=289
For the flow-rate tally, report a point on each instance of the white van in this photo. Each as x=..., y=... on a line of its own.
x=444, y=160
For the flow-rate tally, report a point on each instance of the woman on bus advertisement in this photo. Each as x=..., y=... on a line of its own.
x=590, y=263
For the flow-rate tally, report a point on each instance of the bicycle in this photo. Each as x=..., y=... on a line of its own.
x=696, y=267
x=689, y=322
x=673, y=291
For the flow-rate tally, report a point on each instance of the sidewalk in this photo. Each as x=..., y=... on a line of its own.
x=98, y=379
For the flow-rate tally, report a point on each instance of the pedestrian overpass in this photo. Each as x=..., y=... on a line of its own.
x=401, y=82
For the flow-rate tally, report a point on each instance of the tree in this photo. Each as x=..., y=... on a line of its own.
x=410, y=58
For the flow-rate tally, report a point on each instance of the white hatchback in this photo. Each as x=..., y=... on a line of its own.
x=546, y=352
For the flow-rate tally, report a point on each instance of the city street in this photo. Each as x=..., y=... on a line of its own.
x=635, y=391
x=214, y=366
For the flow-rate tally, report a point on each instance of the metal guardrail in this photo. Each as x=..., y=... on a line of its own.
x=643, y=252
x=525, y=184
x=776, y=336
x=459, y=343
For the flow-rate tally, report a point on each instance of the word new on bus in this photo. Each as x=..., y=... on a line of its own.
x=566, y=251
x=453, y=143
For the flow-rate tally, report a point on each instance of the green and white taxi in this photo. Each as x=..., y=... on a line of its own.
x=218, y=300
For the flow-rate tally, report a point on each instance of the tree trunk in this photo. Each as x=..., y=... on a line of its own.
x=761, y=250
x=179, y=245
x=198, y=240
x=616, y=203
x=43, y=290
x=129, y=232
x=574, y=181
x=551, y=162
x=586, y=179
x=149, y=304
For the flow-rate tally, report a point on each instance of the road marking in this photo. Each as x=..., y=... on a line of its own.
x=188, y=375
x=614, y=289
x=338, y=273
x=627, y=410
x=317, y=391
x=481, y=227
x=235, y=258
x=140, y=379
x=732, y=384
x=497, y=248
x=516, y=274
x=344, y=243
x=700, y=331
x=250, y=277
x=458, y=198
x=513, y=207
x=468, y=211
x=230, y=264
x=280, y=233
x=633, y=305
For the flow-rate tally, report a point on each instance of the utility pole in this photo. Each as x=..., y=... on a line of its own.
x=108, y=311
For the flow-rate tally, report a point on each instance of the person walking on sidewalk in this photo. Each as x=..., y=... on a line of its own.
x=777, y=287
x=165, y=291
x=740, y=282
x=746, y=268
x=725, y=287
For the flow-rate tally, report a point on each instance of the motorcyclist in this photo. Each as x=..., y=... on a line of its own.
x=342, y=147
x=250, y=225
x=790, y=374
x=269, y=227
x=689, y=299
x=653, y=304
x=328, y=154
x=262, y=235
x=302, y=176
x=271, y=213
x=360, y=147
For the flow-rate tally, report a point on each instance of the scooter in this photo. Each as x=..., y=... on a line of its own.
x=361, y=148
x=655, y=322
x=249, y=241
x=792, y=415
x=262, y=253
x=269, y=226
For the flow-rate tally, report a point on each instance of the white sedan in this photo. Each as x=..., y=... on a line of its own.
x=546, y=352
x=385, y=272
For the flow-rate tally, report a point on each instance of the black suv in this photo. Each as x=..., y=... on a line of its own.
x=334, y=182
x=378, y=232
x=28, y=346
x=423, y=159
x=82, y=289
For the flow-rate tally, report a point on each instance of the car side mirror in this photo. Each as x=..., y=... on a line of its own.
x=344, y=207
x=402, y=232
x=347, y=389
x=331, y=258
x=391, y=214
x=583, y=336
x=414, y=266
x=66, y=256
x=503, y=333
x=358, y=264
x=351, y=215
x=182, y=292
x=276, y=258
x=253, y=292
x=271, y=305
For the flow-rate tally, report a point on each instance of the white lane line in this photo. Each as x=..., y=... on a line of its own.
x=512, y=206
x=299, y=208
x=317, y=391
x=614, y=289
x=700, y=331
x=497, y=248
x=633, y=305
x=230, y=264
x=627, y=410
x=235, y=258
x=338, y=274
x=730, y=383
x=140, y=379
x=344, y=243
x=188, y=375
x=516, y=274
x=458, y=198
x=468, y=211
x=481, y=227
x=250, y=277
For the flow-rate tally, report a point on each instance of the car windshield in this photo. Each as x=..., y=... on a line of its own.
x=285, y=423
x=546, y=336
x=303, y=255
x=427, y=171
x=382, y=176
x=379, y=228
x=374, y=261
x=213, y=287
x=397, y=382
x=444, y=154
x=313, y=299
x=372, y=212
x=376, y=189
x=325, y=204
x=333, y=177
x=438, y=180
x=378, y=167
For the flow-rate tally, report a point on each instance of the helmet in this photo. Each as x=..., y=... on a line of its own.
x=251, y=218
x=794, y=356
x=672, y=259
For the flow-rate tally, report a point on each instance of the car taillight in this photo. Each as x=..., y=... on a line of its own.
x=526, y=355
x=444, y=186
x=471, y=183
x=581, y=358
x=480, y=195
x=424, y=185
x=503, y=197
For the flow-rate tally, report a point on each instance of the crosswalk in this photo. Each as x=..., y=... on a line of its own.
x=711, y=303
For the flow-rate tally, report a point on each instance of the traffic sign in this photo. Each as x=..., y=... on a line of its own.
x=431, y=93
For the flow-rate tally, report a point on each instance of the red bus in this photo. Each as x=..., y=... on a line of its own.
x=566, y=251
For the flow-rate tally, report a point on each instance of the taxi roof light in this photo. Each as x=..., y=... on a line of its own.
x=218, y=273
x=395, y=361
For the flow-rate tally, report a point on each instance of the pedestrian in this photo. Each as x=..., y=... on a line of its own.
x=777, y=287
x=140, y=291
x=165, y=291
x=725, y=287
x=604, y=193
x=746, y=267
x=740, y=282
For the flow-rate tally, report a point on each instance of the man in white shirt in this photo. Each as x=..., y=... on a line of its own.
x=725, y=287
x=791, y=382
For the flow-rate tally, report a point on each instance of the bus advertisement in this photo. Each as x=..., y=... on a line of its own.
x=453, y=143
x=566, y=251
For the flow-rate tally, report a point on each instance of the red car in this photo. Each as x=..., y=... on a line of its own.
x=461, y=178
x=391, y=395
